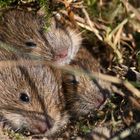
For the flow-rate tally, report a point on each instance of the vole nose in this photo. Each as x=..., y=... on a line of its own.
x=61, y=53
x=40, y=127
x=100, y=99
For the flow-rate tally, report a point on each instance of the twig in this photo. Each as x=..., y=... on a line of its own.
x=127, y=132
x=81, y=22
x=135, y=92
x=129, y=7
x=89, y=28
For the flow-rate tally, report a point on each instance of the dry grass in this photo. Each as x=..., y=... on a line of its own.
x=114, y=27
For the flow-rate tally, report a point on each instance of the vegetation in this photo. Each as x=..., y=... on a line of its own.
x=112, y=29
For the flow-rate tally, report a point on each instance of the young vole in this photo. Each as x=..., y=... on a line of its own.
x=31, y=99
x=83, y=94
x=26, y=32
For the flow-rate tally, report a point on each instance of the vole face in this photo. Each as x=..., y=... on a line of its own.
x=25, y=31
x=64, y=41
x=84, y=94
x=31, y=100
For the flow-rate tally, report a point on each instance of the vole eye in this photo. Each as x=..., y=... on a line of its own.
x=30, y=44
x=24, y=97
x=71, y=78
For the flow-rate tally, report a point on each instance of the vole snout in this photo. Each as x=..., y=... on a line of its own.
x=40, y=126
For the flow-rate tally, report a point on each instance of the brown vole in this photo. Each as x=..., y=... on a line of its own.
x=31, y=99
x=82, y=93
x=26, y=32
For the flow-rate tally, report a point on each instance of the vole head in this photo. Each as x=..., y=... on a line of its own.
x=83, y=94
x=26, y=32
x=64, y=41
x=31, y=100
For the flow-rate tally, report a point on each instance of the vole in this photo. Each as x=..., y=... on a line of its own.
x=26, y=31
x=31, y=99
x=83, y=94
x=60, y=45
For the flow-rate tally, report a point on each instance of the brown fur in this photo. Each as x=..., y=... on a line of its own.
x=44, y=113
x=83, y=94
x=57, y=43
